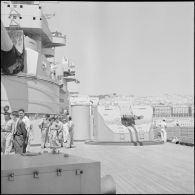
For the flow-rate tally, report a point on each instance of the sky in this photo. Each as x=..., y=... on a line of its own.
x=139, y=48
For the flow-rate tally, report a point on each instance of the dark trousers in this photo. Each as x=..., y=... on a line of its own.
x=18, y=143
x=24, y=148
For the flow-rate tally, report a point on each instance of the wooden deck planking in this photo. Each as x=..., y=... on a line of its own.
x=167, y=168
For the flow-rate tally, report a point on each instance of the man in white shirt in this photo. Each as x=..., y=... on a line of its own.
x=44, y=126
x=7, y=134
x=65, y=130
x=163, y=131
x=71, y=132
x=6, y=109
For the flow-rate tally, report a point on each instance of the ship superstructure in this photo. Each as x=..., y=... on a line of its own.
x=36, y=82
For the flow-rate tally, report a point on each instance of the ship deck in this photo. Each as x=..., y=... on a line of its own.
x=152, y=169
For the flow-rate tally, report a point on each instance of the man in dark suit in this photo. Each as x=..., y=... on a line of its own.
x=20, y=137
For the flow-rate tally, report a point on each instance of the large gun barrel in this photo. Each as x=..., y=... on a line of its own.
x=12, y=60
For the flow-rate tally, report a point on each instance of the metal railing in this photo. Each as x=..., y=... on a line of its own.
x=184, y=134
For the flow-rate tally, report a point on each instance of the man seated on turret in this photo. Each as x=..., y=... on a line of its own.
x=129, y=121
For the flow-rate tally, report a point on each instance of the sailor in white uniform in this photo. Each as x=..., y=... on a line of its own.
x=163, y=131
x=65, y=130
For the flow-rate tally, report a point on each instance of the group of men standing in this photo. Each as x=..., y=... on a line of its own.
x=56, y=131
x=15, y=132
